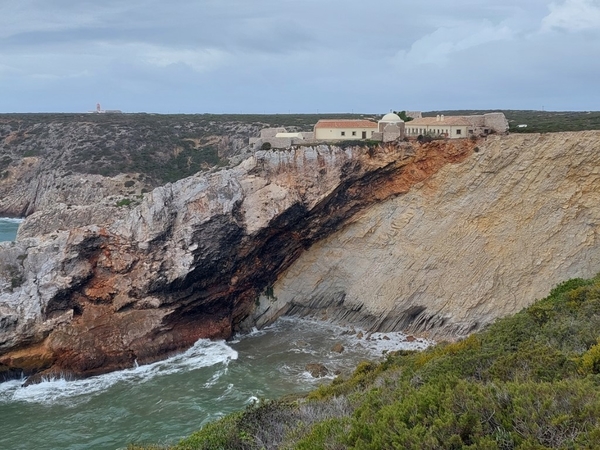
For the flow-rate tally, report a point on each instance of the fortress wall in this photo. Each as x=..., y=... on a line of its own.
x=496, y=121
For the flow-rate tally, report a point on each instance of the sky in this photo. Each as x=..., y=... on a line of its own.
x=298, y=56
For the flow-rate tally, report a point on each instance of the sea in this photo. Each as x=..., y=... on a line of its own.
x=9, y=228
x=168, y=400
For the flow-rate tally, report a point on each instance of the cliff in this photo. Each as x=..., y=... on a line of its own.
x=440, y=238
x=476, y=241
x=190, y=261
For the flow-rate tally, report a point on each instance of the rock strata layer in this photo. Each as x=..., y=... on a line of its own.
x=475, y=241
x=191, y=260
x=437, y=239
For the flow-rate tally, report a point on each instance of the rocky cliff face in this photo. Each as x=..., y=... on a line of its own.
x=440, y=238
x=475, y=241
x=191, y=260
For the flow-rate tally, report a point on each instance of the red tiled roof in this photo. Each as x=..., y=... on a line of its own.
x=341, y=123
x=448, y=120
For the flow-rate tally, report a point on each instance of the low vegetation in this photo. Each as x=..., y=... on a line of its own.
x=530, y=381
x=166, y=148
x=162, y=148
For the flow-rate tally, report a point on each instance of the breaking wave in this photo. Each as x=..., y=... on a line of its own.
x=204, y=353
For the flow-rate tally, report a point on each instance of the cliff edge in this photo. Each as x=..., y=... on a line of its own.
x=191, y=260
x=474, y=242
x=439, y=238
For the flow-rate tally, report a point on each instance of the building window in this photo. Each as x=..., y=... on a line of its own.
x=343, y=133
x=354, y=133
x=458, y=131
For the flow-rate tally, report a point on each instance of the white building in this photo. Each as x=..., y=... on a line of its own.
x=344, y=129
x=452, y=127
x=391, y=127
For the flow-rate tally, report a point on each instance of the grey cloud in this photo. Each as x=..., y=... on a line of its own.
x=280, y=55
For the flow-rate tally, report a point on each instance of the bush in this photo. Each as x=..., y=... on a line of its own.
x=590, y=360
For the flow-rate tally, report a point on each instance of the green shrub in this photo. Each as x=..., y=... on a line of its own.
x=590, y=360
x=222, y=434
x=124, y=202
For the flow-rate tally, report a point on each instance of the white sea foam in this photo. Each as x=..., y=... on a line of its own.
x=252, y=333
x=378, y=343
x=215, y=378
x=204, y=353
x=374, y=344
x=11, y=220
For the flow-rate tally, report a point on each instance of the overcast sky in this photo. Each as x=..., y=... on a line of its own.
x=279, y=56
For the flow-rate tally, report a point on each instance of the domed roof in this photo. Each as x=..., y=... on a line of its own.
x=391, y=118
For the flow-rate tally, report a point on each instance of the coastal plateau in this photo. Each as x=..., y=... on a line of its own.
x=98, y=159
x=438, y=238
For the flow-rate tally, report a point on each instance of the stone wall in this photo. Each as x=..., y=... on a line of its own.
x=488, y=123
x=481, y=124
x=414, y=114
x=496, y=122
x=476, y=121
x=393, y=132
x=267, y=133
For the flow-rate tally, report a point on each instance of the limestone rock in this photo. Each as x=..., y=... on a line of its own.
x=431, y=239
x=190, y=260
x=338, y=348
x=51, y=159
x=317, y=370
x=476, y=241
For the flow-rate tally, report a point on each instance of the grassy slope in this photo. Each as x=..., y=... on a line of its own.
x=531, y=381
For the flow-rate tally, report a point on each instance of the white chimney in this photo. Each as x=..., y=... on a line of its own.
x=437, y=118
x=442, y=117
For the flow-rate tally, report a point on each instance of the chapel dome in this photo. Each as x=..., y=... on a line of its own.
x=391, y=118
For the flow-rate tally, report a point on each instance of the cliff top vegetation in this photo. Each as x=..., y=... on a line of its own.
x=530, y=381
x=165, y=148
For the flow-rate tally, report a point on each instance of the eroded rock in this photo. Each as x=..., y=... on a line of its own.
x=338, y=348
x=475, y=241
x=190, y=261
x=317, y=370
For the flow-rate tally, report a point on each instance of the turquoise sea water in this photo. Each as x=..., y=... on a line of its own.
x=165, y=401
x=8, y=229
